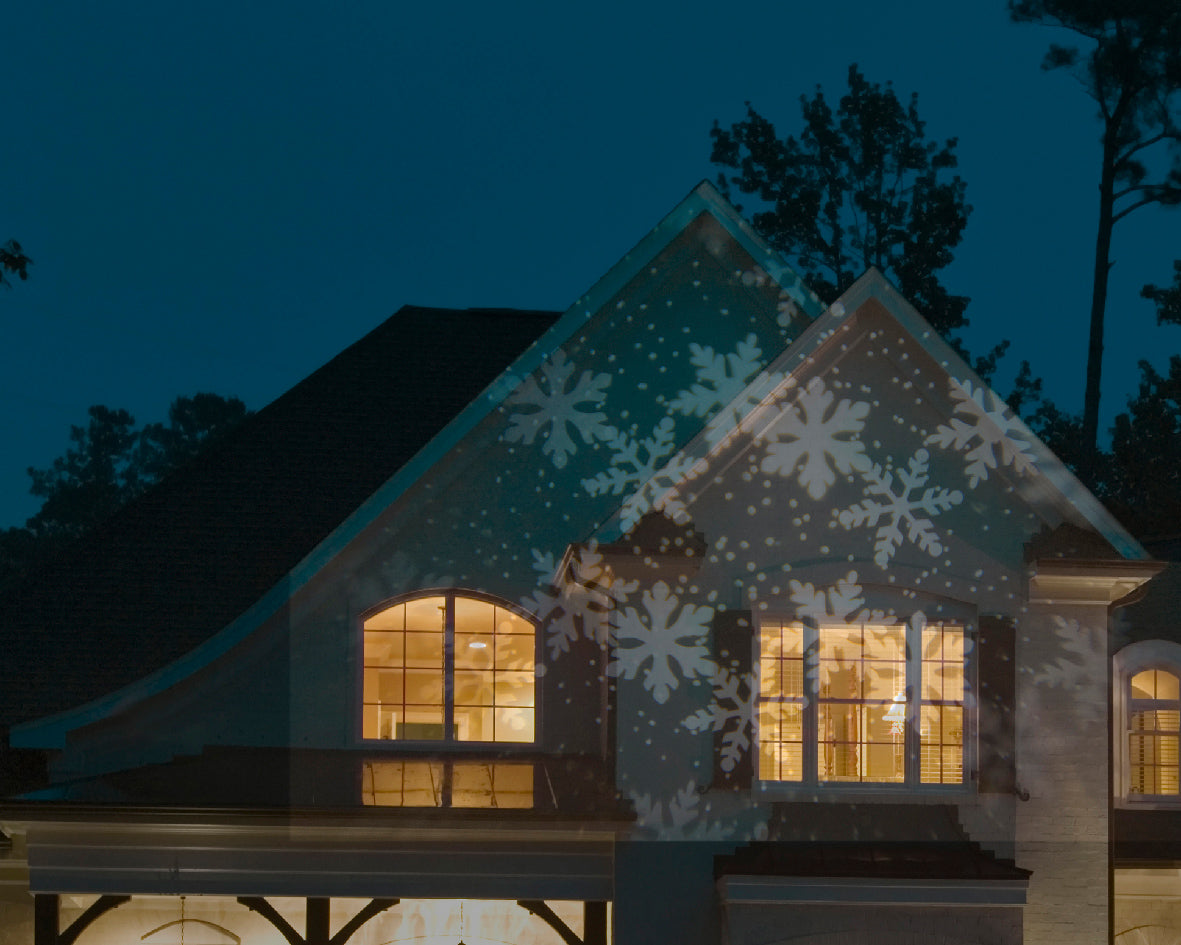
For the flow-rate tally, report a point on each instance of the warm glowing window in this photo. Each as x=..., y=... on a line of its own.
x=1154, y=718
x=839, y=704
x=448, y=667
x=437, y=783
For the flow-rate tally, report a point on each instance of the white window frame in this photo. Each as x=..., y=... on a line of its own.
x=1132, y=659
x=811, y=785
x=447, y=744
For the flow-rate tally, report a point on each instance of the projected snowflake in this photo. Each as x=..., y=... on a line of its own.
x=990, y=436
x=904, y=507
x=818, y=438
x=556, y=409
x=652, y=643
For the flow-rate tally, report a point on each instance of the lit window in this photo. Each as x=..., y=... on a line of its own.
x=498, y=785
x=1154, y=717
x=449, y=668
x=836, y=703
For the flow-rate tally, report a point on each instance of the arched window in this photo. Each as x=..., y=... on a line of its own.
x=1147, y=723
x=1154, y=716
x=449, y=667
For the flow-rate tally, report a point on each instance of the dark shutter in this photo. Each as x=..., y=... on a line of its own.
x=996, y=690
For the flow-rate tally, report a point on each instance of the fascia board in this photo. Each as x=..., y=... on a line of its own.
x=870, y=891
x=50, y=732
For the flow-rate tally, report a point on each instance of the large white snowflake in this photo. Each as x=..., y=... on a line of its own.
x=819, y=438
x=663, y=636
x=907, y=507
x=720, y=377
x=990, y=436
x=1079, y=652
x=556, y=409
x=667, y=818
x=842, y=602
x=731, y=712
x=628, y=474
x=575, y=603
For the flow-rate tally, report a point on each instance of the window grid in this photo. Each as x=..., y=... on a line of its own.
x=836, y=703
x=449, y=668
x=1154, y=733
x=497, y=785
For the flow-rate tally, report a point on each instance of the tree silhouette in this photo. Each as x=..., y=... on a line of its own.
x=859, y=187
x=110, y=462
x=1168, y=299
x=1132, y=69
x=13, y=262
x=1143, y=481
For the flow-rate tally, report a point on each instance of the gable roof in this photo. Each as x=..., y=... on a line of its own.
x=201, y=547
x=1054, y=486
x=201, y=630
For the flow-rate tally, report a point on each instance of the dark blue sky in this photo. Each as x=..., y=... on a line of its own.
x=222, y=196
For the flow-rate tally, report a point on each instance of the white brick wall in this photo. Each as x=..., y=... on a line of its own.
x=1062, y=762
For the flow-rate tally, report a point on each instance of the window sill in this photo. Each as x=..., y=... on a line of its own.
x=841, y=793
x=1149, y=802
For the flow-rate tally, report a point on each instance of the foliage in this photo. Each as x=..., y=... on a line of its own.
x=1167, y=299
x=1131, y=66
x=859, y=187
x=13, y=262
x=109, y=462
x=1144, y=481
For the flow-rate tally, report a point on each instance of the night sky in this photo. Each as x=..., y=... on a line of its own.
x=220, y=197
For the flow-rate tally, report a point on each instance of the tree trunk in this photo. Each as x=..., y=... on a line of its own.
x=1099, y=303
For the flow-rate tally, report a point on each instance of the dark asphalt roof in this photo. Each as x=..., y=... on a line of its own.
x=193, y=553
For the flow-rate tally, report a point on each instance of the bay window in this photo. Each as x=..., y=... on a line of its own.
x=863, y=703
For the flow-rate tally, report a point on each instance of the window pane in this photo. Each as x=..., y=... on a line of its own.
x=474, y=616
x=474, y=723
x=859, y=743
x=1155, y=684
x=1153, y=767
x=514, y=652
x=473, y=688
x=514, y=688
x=426, y=614
x=941, y=744
x=781, y=736
x=513, y=725
x=402, y=784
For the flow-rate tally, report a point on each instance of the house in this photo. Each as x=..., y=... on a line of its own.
x=698, y=613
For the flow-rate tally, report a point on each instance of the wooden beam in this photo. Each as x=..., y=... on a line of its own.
x=317, y=924
x=594, y=923
x=372, y=908
x=539, y=908
x=47, y=918
x=267, y=911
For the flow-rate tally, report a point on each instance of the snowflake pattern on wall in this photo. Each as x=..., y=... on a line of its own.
x=840, y=603
x=991, y=434
x=731, y=712
x=819, y=438
x=575, y=604
x=720, y=377
x=906, y=506
x=652, y=643
x=681, y=809
x=628, y=473
x=556, y=409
